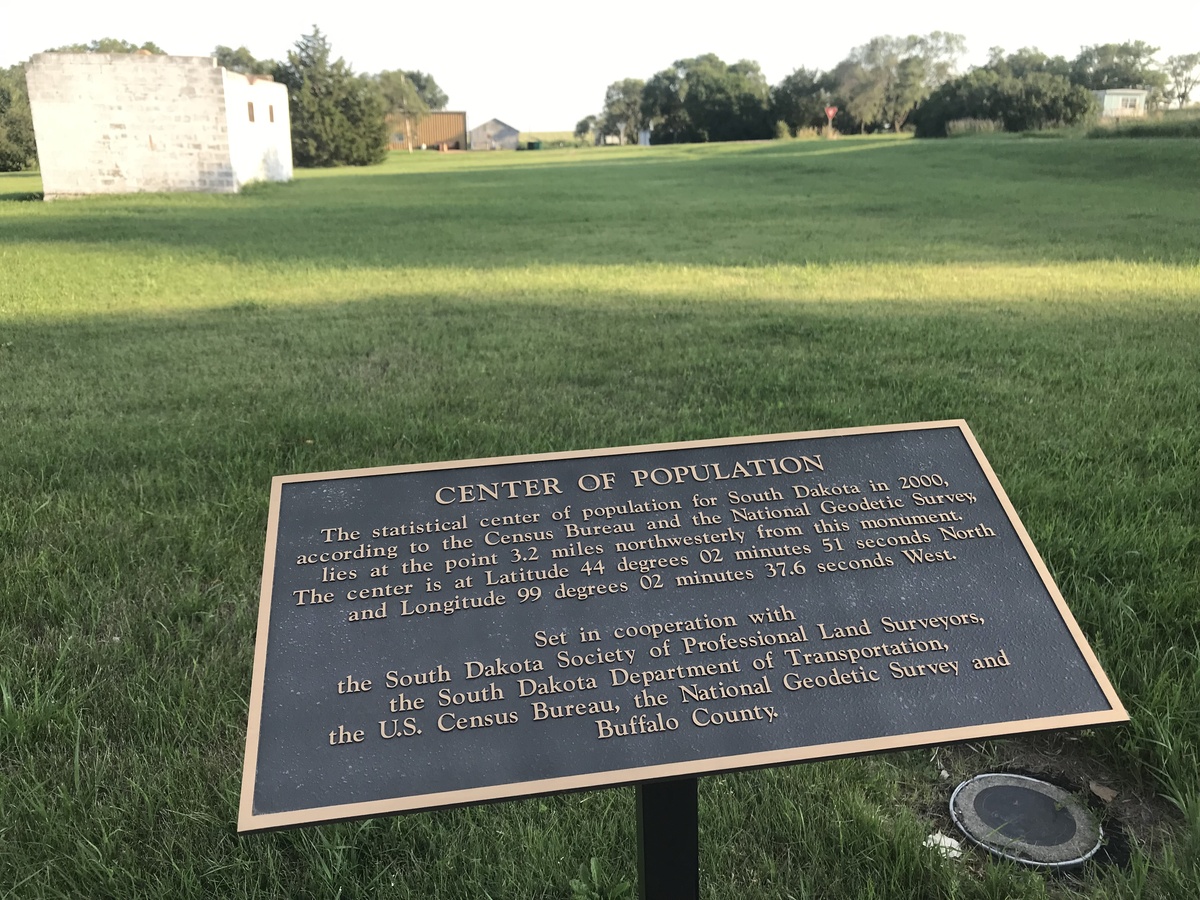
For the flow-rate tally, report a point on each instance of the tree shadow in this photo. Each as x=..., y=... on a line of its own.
x=18, y=187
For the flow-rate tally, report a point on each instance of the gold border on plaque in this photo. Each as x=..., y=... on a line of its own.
x=249, y=821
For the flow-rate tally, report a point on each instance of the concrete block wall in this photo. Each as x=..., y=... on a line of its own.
x=122, y=123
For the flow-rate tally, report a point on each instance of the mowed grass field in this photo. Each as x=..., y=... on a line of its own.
x=162, y=357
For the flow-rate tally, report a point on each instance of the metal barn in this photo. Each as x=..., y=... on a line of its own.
x=495, y=135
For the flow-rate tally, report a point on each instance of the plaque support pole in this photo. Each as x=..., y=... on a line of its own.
x=668, y=839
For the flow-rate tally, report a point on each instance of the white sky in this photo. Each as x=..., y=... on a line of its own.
x=542, y=66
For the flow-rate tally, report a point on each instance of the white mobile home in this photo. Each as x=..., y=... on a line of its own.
x=1119, y=103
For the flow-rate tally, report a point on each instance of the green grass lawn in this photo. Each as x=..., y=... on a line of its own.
x=161, y=357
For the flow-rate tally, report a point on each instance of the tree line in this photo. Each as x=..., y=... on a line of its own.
x=886, y=84
x=338, y=117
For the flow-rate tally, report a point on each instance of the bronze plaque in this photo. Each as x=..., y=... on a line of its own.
x=451, y=633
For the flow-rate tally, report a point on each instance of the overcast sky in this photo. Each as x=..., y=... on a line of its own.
x=542, y=66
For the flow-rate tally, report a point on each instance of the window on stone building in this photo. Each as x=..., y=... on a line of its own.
x=250, y=108
x=271, y=113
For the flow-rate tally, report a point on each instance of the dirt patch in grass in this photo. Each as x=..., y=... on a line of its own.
x=1130, y=813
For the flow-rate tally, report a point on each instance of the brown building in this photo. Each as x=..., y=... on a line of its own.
x=434, y=131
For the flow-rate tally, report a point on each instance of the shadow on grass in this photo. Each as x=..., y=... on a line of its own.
x=486, y=364
x=18, y=187
x=796, y=202
x=660, y=154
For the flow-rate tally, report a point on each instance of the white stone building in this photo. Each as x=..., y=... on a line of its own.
x=114, y=123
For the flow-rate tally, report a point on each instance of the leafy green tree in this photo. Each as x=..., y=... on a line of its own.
x=662, y=107
x=1025, y=61
x=730, y=103
x=405, y=105
x=242, y=60
x=622, y=113
x=432, y=96
x=1128, y=65
x=1034, y=100
x=974, y=95
x=109, y=45
x=585, y=127
x=1184, y=72
x=884, y=80
x=1042, y=100
x=800, y=100
x=338, y=118
x=860, y=93
x=18, y=150
x=1104, y=66
x=705, y=99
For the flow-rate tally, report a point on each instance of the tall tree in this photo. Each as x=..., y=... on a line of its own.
x=338, y=118
x=622, y=113
x=706, y=99
x=1025, y=61
x=585, y=127
x=405, y=105
x=1041, y=100
x=1184, y=72
x=939, y=55
x=742, y=110
x=662, y=106
x=1034, y=100
x=1128, y=65
x=800, y=99
x=883, y=81
x=860, y=91
x=431, y=95
x=18, y=150
x=974, y=95
x=242, y=60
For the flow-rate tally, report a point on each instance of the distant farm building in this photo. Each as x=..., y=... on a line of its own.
x=116, y=123
x=1121, y=102
x=433, y=131
x=495, y=135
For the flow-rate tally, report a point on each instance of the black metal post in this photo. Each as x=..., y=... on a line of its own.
x=668, y=840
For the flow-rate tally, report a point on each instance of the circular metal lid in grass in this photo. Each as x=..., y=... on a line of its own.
x=1025, y=820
